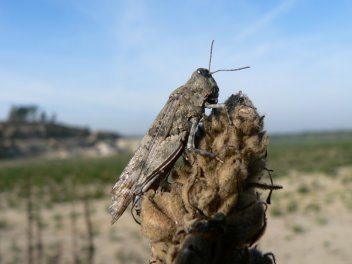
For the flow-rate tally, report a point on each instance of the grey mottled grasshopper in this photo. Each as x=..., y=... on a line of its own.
x=172, y=131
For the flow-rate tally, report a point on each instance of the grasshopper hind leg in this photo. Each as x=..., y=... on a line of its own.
x=203, y=152
x=136, y=208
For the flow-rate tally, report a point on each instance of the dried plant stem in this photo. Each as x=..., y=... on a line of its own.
x=73, y=222
x=39, y=242
x=29, y=222
x=73, y=218
x=0, y=249
x=91, y=248
x=1, y=258
x=55, y=259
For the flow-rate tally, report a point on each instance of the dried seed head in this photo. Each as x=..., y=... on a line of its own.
x=185, y=221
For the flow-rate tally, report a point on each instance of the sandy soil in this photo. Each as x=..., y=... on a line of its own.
x=308, y=222
x=315, y=225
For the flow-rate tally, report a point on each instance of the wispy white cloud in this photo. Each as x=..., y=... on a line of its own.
x=265, y=20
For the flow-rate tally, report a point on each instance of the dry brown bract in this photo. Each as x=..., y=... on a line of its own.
x=211, y=212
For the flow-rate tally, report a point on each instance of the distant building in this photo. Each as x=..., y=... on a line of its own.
x=23, y=114
x=29, y=114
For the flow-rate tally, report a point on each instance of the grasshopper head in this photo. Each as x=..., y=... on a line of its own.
x=203, y=84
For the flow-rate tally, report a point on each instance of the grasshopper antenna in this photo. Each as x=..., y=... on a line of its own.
x=238, y=69
x=211, y=53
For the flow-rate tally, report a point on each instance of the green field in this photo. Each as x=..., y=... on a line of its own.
x=58, y=181
x=81, y=171
x=310, y=152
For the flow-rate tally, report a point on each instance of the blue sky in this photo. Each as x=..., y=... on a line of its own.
x=112, y=64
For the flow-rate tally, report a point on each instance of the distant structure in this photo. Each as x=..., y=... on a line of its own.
x=29, y=121
x=29, y=114
x=23, y=114
x=30, y=131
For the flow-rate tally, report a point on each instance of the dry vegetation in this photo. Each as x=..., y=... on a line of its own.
x=56, y=211
x=210, y=212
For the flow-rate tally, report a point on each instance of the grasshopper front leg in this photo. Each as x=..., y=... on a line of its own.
x=191, y=139
x=216, y=106
x=220, y=106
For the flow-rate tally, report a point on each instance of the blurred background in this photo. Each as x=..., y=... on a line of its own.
x=82, y=80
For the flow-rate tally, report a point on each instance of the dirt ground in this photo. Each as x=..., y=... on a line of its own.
x=309, y=221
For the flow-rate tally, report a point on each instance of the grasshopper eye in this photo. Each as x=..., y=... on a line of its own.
x=203, y=72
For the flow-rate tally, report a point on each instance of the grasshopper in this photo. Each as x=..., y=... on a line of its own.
x=172, y=131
